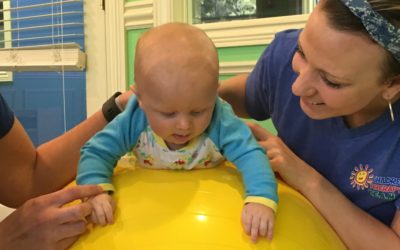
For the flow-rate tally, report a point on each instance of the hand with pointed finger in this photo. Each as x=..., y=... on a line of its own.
x=45, y=223
x=103, y=209
x=258, y=221
x=293, y=170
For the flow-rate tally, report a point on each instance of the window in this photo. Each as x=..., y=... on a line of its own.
x=207, y=11
x=232, y=23
x=1, y=25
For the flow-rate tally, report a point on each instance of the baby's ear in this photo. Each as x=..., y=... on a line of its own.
x=139, y=99
x=133, y=88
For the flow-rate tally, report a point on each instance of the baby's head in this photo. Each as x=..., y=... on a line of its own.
x=176, y=76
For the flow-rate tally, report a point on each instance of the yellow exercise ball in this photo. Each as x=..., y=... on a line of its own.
x=200, y=209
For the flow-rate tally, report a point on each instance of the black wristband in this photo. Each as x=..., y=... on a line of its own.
x=110, y=108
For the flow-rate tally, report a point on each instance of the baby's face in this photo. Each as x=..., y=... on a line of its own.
x=180, y=112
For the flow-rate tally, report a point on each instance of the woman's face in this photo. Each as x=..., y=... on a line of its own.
x=339, y=73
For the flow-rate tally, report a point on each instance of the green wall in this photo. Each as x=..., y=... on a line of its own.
x=132, y=38
x=244, y=53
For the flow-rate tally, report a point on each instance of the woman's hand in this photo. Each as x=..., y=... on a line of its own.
x=45, y=223
x=287, y=164
x=122, y=100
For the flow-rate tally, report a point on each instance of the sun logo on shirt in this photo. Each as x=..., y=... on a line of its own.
x=361, y=177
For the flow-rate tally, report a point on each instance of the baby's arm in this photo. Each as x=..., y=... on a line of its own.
x=100, y=154
x=103, y=209
x=258, y=220
x=234, y=138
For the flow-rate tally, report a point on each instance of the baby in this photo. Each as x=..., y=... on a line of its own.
x=177, y=121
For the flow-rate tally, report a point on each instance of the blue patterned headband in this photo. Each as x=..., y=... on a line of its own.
x=382, y=31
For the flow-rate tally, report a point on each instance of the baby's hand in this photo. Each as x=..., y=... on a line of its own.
x=258, y=220
x=103, y=209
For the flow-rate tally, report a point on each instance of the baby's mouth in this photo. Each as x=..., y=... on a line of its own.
x=181, y=136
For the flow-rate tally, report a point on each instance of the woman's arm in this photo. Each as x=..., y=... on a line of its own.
x=233, y=91
x=356, y=228
x=30, y=172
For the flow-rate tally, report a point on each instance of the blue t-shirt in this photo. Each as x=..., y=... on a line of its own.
x=363, y=162
x=6, y=117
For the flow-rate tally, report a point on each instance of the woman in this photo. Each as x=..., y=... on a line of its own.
x=43, y=222
x=332, y=93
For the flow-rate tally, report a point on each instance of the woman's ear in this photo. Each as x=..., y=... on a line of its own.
x=396, y=80
x=392, y=89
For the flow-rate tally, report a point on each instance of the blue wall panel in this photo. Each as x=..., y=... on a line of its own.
x=43, y=105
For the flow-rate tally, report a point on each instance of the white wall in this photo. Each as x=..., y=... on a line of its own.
x=95, y=46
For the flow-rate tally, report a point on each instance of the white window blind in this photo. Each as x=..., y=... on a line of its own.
x=42, y=35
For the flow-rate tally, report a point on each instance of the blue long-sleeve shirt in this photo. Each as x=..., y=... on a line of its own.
x=228, y=134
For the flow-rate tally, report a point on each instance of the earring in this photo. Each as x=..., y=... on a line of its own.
x=391, y=111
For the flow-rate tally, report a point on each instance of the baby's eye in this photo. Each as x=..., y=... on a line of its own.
x=168, y=114
x=197, y=112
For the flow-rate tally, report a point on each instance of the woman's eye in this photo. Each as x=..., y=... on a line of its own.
x=300, y=52
x=331, y=84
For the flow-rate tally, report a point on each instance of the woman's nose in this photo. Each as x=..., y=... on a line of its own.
x=304, y=84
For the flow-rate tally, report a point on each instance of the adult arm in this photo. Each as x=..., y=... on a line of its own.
x=355, y=227
x=31, y=172
x=233, y=91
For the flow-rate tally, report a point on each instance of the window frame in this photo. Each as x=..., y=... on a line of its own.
x=258, y=31
x=145, y=14
x=239, y=33
x=6, y=76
